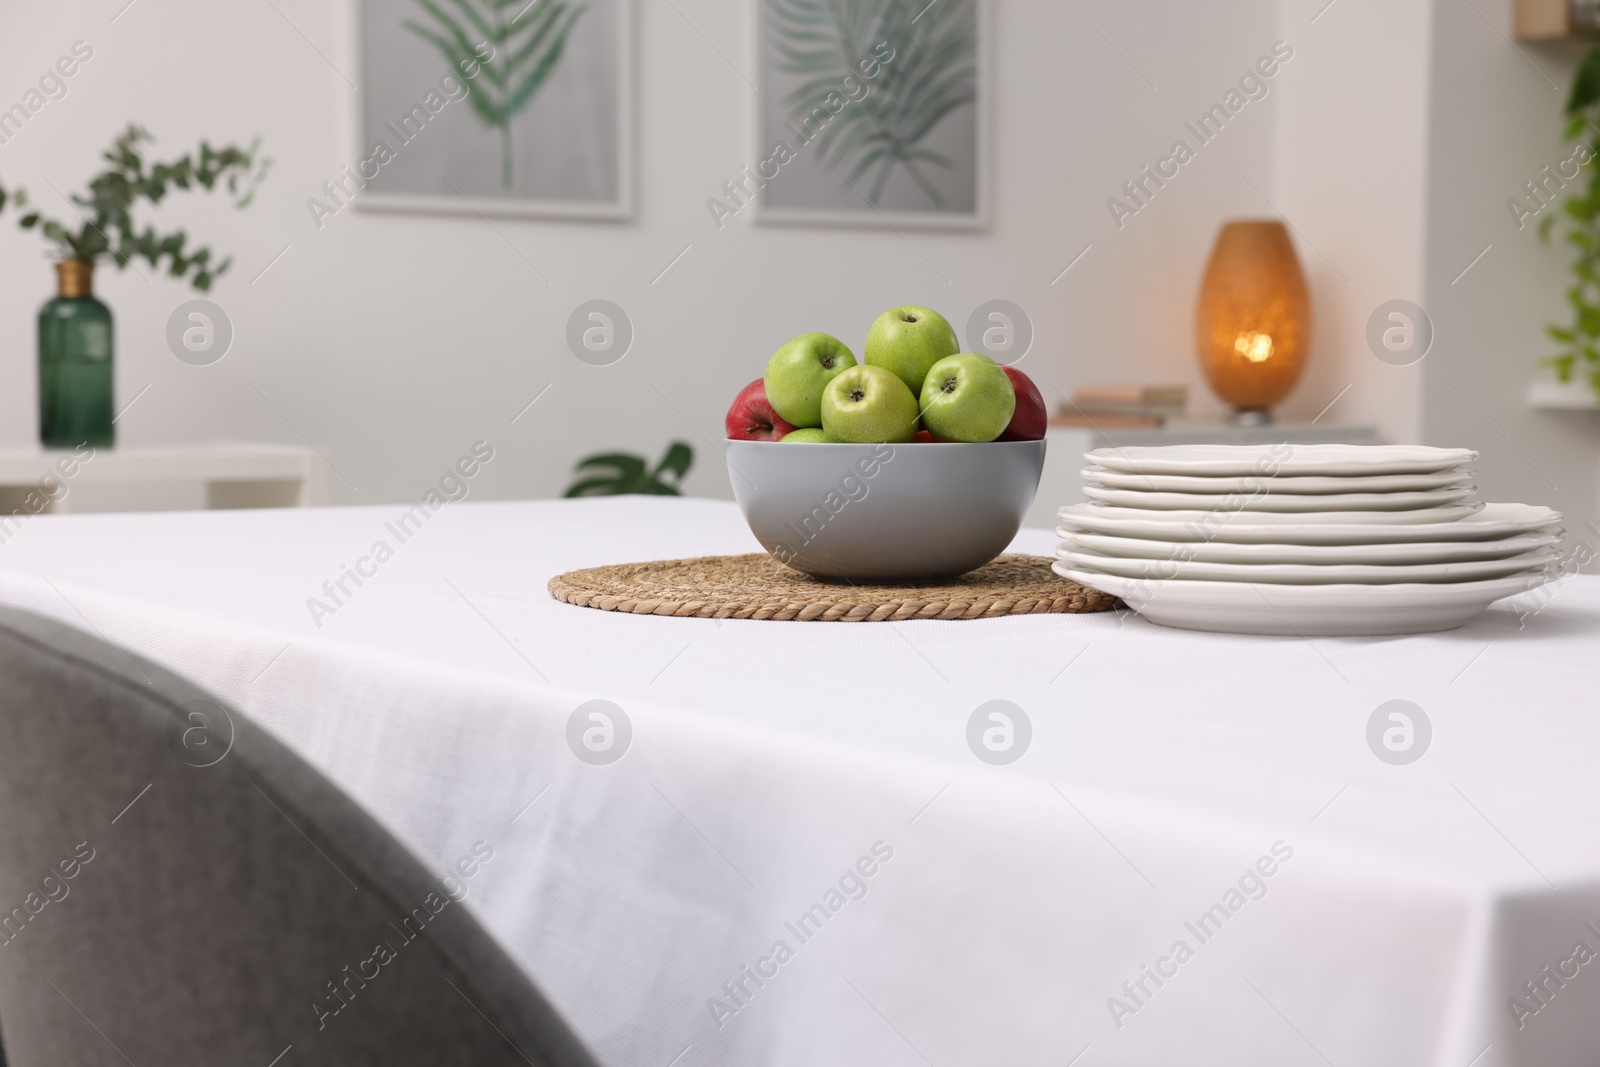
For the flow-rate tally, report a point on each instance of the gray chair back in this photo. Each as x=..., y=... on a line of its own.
x=177, y=888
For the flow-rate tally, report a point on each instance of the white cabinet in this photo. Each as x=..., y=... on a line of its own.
x=235, y=474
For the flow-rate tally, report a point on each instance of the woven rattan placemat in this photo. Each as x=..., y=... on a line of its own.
x=759, y=587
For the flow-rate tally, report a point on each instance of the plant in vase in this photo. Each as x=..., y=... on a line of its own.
x=75, y=329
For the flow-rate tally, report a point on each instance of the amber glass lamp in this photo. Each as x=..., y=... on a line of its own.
x=1253, y=323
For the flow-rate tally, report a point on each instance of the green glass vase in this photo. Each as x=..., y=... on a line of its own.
x=75, y=368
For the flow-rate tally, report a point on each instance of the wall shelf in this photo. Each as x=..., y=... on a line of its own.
x=1553, y=20
x=1549, y=395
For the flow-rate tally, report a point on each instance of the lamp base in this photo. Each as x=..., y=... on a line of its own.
x=1251, y=418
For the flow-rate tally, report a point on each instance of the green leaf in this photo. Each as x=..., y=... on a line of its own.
x=834, y=146
x=537, y=28
x=452, y=54
x=503, y=90
x=594, y=487
x=536, y=77
x=615, y=473
x=866, y=162
x=626, y=465
x=106, y=209
x=1586, y=84
x=1561, y=365
x=459, y=35
x=678, y=459
x=476, y=19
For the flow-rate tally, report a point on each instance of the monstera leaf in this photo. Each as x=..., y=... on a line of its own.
x=932, y=73
x=616, y=473
x=514, y=44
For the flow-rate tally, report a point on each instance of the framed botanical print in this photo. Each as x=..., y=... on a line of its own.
x=870, y=112
x=499, y=107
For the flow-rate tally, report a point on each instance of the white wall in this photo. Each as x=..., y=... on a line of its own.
x=396, y=341
x=1352, y=181
x=1496, y=122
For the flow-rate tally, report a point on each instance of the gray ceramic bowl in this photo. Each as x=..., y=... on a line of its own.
x=896, y=512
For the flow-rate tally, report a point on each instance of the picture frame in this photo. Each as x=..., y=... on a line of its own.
x=897, y=206
x=593, y=123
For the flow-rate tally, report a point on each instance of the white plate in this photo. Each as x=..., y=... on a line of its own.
x=1223, y=552
x=1308, y=610
x=1494, y=521
x=1240, y=460
x=1286, y=483
x=1202, y=522
x=1303, y=573
x=1272, y=500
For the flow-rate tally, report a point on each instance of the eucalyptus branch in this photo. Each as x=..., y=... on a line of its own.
x=106, y=227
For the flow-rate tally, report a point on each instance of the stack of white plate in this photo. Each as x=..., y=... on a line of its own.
x=1301, y=539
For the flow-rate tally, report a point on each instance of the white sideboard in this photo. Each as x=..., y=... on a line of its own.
x=236, y=474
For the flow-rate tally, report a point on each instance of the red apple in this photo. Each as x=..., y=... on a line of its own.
x=923, y=438
x=1029, y=420
x=751, y=417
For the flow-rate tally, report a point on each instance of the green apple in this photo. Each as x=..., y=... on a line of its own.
x=869, y=405
x=909, y=341
x=967, y=397
x=798, y=372
x=810, y=435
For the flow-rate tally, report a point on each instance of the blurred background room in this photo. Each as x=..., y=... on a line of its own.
x=280, y=279
x=1392, y=139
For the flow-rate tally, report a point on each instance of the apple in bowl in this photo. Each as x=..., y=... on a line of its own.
x=868, y=501
x=908, y=341
x=797, y=374
x=967, y=397
x=868, y=405
x=1031, y=418
x=752, y=418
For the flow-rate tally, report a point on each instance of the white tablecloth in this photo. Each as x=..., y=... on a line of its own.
x=1180, y=788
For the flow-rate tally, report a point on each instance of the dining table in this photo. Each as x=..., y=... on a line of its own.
x=1063, y=840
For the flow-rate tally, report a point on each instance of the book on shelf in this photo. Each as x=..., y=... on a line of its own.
x=1131, y=397
x=1106, y=420
x=1122, y=407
